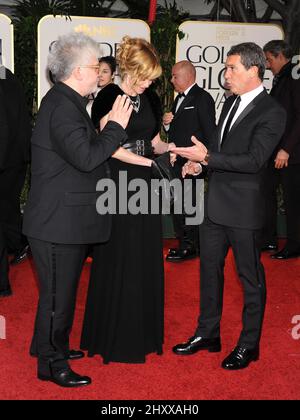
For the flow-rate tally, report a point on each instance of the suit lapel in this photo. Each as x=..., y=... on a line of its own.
x=175, y=105
x=225, y=110
x=243, y=115
x=183, y=104
x=187, y=100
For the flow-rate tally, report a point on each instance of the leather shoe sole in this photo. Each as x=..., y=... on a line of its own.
x=240, y=359
x=75, y=354
x=269, y=248
x=195, y=344
x=172, y=251
x=181, y=255
x=66, y=379
x=285, y=255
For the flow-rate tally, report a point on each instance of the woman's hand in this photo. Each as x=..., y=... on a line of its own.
x=173, y=158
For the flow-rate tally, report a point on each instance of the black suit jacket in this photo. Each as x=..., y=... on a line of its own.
x=236, y=192
x=68, y=159
x=15, y=129
x=195, y=117
x=287, y=93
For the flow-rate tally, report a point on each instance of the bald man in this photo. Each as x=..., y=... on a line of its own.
x=192, y=114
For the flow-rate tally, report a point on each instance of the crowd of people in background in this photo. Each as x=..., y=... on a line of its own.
x=88, y=128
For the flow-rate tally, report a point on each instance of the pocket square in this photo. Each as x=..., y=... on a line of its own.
x=189, y=107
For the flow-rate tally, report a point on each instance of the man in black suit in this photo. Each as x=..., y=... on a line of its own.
x=60, y=220
x=193, y=114
x=15, y=132
x=250, y=127
x=284, y=166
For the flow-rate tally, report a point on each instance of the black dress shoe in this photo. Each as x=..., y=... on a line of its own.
x=66, y=378
x=285, y=254
x=5, y=292
x=269, y=247
x=172, y=251
x=240, y=358
x=20, y=256
x=195, y=344
x=73, y=354
x=181, y=255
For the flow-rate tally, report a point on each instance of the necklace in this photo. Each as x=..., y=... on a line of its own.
x=136, y=102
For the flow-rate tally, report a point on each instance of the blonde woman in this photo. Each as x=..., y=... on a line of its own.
x=124, y=315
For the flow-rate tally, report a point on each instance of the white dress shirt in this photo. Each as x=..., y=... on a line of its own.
x=183, y=97
x=246, y=99
x=180, y=100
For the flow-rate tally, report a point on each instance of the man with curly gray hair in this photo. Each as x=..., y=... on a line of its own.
x=68, y=159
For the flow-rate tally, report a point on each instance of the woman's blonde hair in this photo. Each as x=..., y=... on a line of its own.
x=137, y=57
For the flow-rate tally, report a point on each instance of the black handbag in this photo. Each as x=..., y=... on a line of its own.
x=162, y=169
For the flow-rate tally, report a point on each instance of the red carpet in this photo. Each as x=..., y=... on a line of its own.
x=169, y=377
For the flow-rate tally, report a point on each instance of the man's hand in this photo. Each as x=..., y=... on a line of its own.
x=282, y=159
x=195, y=153
x=121, y=111
x=191, y=168
x=168, y=118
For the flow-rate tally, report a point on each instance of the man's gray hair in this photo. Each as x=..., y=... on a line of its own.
x=70, y=51
x=278, y=46
x=251, y=55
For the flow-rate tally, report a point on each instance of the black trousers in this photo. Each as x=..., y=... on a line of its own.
x=11, y=184
x=290, y=180
x=58, y=267
x=188, y=235
x=215, y=241
x=4, y=282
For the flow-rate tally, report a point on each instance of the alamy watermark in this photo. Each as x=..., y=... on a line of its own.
x=2, y=328
x=296, y=69
x=2, y=72
x=159, y=196
x=296, y=329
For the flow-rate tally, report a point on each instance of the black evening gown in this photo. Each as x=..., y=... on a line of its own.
x=124, y=316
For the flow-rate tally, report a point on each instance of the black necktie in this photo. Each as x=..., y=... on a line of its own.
x=230, y=118
x=275, y=80
x=179, y=96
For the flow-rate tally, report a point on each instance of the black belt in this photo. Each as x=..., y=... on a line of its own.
x=139, y=147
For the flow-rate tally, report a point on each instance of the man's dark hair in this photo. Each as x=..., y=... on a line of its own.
x=278, y=46
x=251, y=55
x=110, y=61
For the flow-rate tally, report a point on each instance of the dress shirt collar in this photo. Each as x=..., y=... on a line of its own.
x=248, y=97
x=188, y=89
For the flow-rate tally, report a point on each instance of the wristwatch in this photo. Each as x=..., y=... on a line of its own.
x=207, y=157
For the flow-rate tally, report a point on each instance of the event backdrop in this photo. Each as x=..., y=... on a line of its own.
x=6, y=42
x=108, y=32
x=206, y=45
